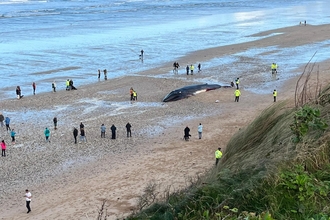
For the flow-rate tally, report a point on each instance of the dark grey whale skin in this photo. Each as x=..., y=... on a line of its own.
x=188, y=91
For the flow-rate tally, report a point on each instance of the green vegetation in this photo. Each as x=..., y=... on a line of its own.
x=278, y=167
x=304, y=119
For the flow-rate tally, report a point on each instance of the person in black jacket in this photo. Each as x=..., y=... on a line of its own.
x=128, y=129
x=186, y=133
x=113, y=132
x=75, y=134
x=55, y=122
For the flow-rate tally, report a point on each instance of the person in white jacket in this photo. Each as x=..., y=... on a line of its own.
x=200, y=130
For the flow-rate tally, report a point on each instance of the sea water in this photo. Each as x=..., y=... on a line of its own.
x=46, y=40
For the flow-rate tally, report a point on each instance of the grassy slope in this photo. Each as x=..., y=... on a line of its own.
x=262, y=172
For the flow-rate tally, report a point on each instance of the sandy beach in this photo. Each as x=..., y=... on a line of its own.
x=69, y=181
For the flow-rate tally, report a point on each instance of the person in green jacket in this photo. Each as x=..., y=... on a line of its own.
x=47, y=134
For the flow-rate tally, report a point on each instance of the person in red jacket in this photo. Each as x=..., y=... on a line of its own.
x=3, y=148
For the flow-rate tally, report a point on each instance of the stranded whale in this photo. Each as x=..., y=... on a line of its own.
x=188, y=91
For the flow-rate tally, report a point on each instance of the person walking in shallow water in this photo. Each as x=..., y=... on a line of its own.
x=105, y=74
x=34, y=88
x=18, y=92
x=192, y=69
x=54, y=86
x=141, y=55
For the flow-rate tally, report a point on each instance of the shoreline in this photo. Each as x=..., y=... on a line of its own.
x=77, y=177
x=282, y=37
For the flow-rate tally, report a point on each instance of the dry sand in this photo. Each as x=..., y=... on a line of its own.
x=69, y=181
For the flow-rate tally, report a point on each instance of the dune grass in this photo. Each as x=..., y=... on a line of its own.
x=264, y=173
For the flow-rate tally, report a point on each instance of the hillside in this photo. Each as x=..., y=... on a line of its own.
x=277, y=167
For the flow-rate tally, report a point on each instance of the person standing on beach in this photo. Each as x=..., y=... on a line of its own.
x=187, y=69
x=75, y=134
x=128, y=129
x=7, y=122
x=83, y=135
x=105, y=74
x=12, y=135
x=192, y=69
x=134, y=95
x=237, y=94
x=54, y=86
x=200, y=130
x=199, y=67
x=103, y=128
x=113, y=131
x=99, y=74
x=218, y=155
x=275, y=94
x=237, y=82
x=34, y=88
x=55, y=122
x=3, y=148
x=47, y=134
x=131, y=90
x=28, y=196
x=186, y=133
x=82, y=126
x=2, y=118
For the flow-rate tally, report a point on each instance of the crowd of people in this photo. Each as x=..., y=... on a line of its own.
x=189, y=69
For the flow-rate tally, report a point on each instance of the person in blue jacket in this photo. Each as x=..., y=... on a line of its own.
x=7, y=121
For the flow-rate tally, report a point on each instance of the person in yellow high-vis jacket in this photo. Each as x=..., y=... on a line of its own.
x=237, y=94
x=218, y=155
x=67, y=83
x=237, y=82
x=275, y=94
x=274, y=68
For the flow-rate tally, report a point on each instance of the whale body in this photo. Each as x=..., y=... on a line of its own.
x=188, y=91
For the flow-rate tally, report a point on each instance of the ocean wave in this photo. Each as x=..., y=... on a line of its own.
x=21, y=2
